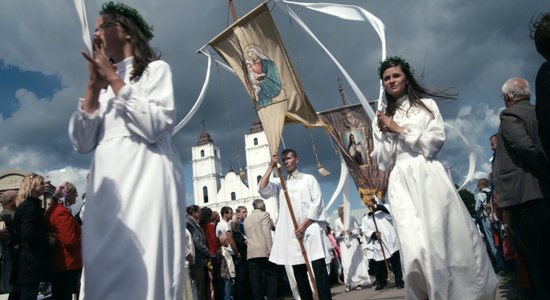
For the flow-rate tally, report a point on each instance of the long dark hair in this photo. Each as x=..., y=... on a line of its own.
x=142, y=51
x=414, y=90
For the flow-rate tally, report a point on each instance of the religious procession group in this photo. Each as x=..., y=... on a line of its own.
x=133, y=241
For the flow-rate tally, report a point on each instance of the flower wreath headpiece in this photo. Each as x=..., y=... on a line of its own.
x=130, y=13
x=391, y=61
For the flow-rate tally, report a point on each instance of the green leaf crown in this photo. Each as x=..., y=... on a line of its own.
x=394, y=61
x=130, y=13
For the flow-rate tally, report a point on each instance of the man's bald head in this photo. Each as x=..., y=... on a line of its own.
x=8, y=199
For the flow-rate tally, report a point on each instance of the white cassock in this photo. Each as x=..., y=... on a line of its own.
x=354, y=263
x=133, y=239
x=307, y=202
x=388, y=235
x=443, y=256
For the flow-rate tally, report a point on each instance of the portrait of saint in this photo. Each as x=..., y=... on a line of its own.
x=356, y=144
x=263, y=76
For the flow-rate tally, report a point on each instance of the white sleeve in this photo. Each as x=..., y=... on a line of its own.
x=384, y=148
x=317, y=206
x=149, y=107
x=428, y=139
x=84, y=129
x=269, y=191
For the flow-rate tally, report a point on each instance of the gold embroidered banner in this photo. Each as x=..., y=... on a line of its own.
x=350, y=129
x=254, y=50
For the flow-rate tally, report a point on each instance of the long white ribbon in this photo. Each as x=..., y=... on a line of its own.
x=341, y=182
x=346, y=12
x=199, y=100
x=471, y=157
x=81, y=10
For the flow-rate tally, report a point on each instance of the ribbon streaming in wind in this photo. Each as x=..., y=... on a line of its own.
x=81, y=11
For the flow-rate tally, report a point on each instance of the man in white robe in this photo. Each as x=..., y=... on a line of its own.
x=307, y=203
x=355, y=265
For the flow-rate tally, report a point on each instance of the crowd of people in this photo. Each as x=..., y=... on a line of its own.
x=40, y=246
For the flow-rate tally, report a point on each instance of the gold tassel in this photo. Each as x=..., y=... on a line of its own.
x=322, y=171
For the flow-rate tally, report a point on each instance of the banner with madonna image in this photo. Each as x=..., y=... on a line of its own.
x=254, y=50
x=351, y=130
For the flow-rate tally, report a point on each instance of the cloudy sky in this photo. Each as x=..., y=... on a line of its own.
x=470, y=46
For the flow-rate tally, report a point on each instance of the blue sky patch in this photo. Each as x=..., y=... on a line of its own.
x=13, y=78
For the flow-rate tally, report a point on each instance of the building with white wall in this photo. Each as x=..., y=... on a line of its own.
x=214, y=189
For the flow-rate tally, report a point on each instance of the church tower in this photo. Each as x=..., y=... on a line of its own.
x=257, y=155
x=207, y=169
x=257, y=160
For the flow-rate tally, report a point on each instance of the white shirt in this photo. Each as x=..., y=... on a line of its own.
x=307, y=202
x=222, y=227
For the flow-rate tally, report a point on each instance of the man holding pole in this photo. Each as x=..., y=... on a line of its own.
x=307, y=206
x=378, y=228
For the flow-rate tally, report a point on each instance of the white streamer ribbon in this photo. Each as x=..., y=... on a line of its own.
x=471, y=157
x=81, y=10
x=341, y=182
x=346, y=12
x=199, y=100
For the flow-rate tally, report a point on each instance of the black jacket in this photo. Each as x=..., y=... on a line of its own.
x=32, y=239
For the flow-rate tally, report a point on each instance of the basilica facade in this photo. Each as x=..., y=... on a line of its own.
x=213, y=188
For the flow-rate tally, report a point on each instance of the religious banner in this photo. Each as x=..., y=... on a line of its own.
x=254, y=50
x=351, y=130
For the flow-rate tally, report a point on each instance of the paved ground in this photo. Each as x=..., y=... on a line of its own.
x=504, y=291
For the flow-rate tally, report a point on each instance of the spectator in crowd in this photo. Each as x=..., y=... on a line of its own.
x=241, y=212
x=202, y=254
x=378, y=228
x=336, y=273
x=66, y=253
x=355, y=266
x=215, y=283
x=521, y=171
x=8, y=242
x=241, y=266
x=223, y=227
x=262, y=272
x=483, y=214
x=227, y=267
x=31, y=230
x=190, y=290
x=541, y=35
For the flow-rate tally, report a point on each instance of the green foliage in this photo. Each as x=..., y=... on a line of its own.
x=130, y=13
x=394, y=61
x=469, y=200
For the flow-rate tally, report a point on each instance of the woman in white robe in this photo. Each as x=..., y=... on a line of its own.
x=133, y=239
x=354, y=264
x=442, y=254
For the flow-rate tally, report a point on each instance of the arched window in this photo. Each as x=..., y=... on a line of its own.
x=233, y=196
x=255, y=141
x=205, y=194
x=202, y=153
x=258, y=179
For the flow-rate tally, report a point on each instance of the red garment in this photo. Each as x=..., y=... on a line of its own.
x=211, y=240
x=66, y=253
